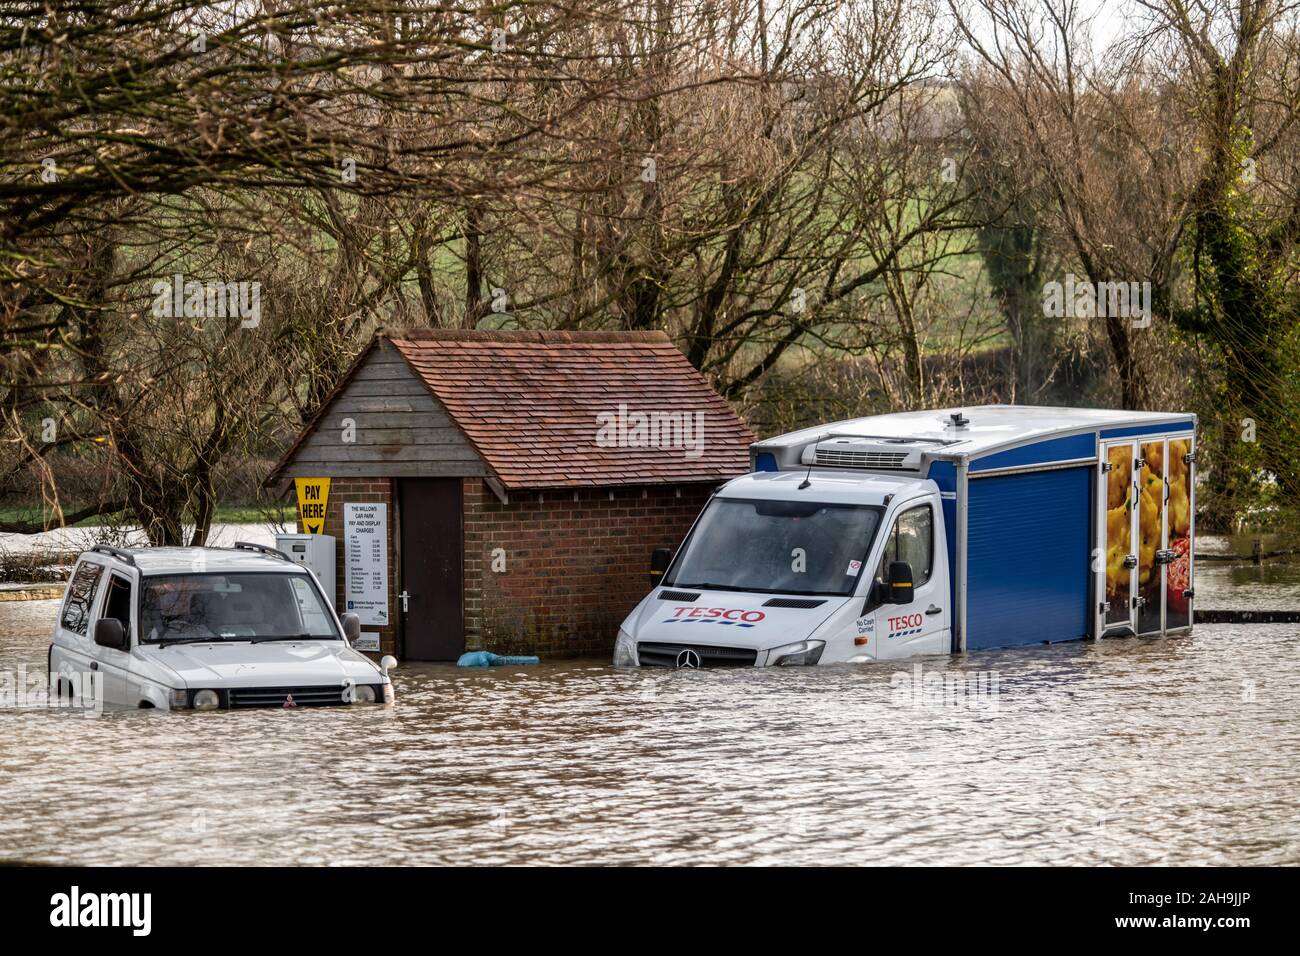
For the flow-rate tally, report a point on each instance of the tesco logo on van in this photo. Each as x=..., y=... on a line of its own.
x=729, y=614
x=905, y=625
x=715, y=615
x=906, y=621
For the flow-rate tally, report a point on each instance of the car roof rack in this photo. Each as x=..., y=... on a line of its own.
x=262, y=549
x=126, y=557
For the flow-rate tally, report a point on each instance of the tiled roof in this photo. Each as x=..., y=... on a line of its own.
x=561, y=409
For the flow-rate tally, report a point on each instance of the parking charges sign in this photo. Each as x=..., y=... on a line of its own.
x=365, y=536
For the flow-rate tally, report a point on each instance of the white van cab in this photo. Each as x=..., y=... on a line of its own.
x=932, y=532
x=771, y=574
x=207, y=628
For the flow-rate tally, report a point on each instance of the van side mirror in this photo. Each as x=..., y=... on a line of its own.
x=900, y=582
x=109, y=633
x=351, y=627
x=659, y=561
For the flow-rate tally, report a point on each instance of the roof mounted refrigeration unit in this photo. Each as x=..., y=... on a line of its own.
x=862, y=453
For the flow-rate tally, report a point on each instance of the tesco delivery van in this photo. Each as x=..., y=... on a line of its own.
x=928, y=533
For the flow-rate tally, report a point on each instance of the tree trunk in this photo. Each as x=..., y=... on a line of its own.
x=473, y=267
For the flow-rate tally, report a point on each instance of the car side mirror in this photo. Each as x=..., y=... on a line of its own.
x=351, y=627
x=900, y=582
x=110, y=633
x=387, y=663
x=660, y=558
x=877, y=596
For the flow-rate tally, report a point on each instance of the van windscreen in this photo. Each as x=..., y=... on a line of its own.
x=786, y=547
x=185, y=608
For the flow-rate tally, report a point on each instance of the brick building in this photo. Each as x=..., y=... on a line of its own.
x=526, y=479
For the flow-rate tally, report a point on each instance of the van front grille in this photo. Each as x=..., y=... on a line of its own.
x=319, y=696
x=674, y=655
x=844, y=458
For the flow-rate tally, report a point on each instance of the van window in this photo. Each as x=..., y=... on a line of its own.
x=118, y=602
x=81, y=596
x=782, y=547
x=911, y=540
x=316, y=618
x=262, y=606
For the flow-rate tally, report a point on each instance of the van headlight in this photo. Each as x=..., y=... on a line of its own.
x=801, y=652
x=624, y=650
x=363, y=694
x=207, y=700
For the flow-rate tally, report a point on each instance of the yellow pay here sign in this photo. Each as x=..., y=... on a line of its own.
x=313, y=494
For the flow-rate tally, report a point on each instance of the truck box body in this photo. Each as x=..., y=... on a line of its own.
x=1060, y=523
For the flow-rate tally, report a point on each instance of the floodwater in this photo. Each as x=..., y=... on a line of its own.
x=1271, y=585
x=1139, y=751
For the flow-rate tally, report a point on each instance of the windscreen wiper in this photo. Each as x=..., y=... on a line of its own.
x=709, y=587
x=293, y=637
x=198, y=640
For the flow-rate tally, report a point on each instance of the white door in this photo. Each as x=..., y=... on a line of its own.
x=1180, y=525
x=1144, y=559
x=920, y=626
x=113, y=664
x=76, y=670
x=1164, y=534
x=1116, y=559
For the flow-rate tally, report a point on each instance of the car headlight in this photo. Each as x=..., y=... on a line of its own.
x=207, y=700
x=624, y=650
x=801, y=652
x=364, y=694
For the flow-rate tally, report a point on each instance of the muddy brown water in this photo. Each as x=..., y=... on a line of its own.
x=1176, y=750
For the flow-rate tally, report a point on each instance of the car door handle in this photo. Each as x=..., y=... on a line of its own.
x=933, y=610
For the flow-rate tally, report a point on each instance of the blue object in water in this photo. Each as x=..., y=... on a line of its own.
x=488, y=659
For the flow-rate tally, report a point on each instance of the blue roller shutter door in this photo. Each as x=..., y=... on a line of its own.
x=1028, y=558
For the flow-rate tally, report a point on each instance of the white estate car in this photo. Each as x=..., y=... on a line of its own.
x=207, y=628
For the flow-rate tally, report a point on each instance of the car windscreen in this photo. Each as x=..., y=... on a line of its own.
x=787, y=547
x=248, y=606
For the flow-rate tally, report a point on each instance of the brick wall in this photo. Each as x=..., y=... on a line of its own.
x=575, y=563
x=370, y=491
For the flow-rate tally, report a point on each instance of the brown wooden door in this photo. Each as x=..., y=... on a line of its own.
x=433, y=624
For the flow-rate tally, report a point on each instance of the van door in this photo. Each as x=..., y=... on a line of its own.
x=922, y=626
x=74, y=646
x=1151, y=551
x=114, y=665
x=1116, y=563
x=1180, y=523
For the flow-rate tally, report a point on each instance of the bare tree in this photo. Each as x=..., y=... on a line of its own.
x=1086, y=141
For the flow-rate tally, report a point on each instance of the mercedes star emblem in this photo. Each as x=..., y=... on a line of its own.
x=688, y=658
